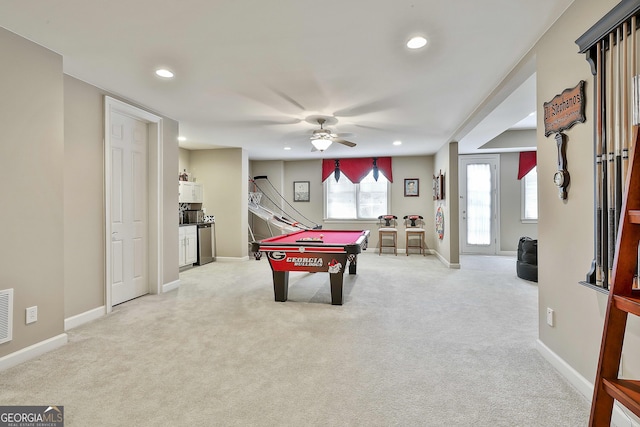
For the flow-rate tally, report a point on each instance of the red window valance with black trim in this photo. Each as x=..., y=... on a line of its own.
x=528, y=160
x=357, y=169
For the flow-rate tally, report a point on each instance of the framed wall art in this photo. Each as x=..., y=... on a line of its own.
x=411, y=187
x=300, y=191
x=438, y=186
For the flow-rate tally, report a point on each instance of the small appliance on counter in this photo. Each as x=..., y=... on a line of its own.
x=193, y=216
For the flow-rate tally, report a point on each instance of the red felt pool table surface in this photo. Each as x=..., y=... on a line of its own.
x=327, y=237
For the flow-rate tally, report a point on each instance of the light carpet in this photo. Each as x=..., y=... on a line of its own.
x=415, y=344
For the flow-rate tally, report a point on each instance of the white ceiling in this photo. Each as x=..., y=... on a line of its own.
x=251, y=73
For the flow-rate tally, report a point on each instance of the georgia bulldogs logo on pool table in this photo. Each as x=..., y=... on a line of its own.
x=277, y=256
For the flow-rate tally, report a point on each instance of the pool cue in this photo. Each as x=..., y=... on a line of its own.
x=624, y=102
x=599, y=168
x=617, y=128
x=633, y=60
x=610, y=145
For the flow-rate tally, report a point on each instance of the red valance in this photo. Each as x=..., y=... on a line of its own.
x=527, y=162
x=357, y=169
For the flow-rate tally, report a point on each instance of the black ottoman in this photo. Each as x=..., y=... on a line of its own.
x=527, y=263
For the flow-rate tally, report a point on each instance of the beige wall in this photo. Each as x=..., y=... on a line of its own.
x=54, y=180
x=32, y=170
x=224, y=174
x=448, y=248
x=84, y=197
x=184, y=161
x=282, y=174
x=511, y=226
x=274, y=171
x=169, y=217
x=565, y=228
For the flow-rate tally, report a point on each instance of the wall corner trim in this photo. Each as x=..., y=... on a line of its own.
x=580, y=383
x=82, y=318
x=171, y=286
x=33, y=351
x=232, y=259
x=454, y=266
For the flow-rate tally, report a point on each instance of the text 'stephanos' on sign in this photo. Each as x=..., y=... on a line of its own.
x=564, y=110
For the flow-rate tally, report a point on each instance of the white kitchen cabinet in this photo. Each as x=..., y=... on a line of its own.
x=187, y=245
x=190, y=192
x=198, y=193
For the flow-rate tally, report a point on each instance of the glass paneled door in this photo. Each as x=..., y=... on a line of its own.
x=478, y=204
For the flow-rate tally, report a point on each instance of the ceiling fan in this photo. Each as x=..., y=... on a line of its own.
x=322, y=138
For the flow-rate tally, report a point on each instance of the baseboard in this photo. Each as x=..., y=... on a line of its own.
x=454, y=266
x=619, y=417
x=82, y=318
x=231, y=259
x=33, y=351
x=167, y=287
x=402, y=251
x=507, y=253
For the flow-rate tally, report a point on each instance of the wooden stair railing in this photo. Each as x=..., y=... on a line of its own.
x=623, y=300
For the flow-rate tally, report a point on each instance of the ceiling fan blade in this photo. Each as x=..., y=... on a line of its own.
x=371, y=127
x=383, y=104
x=259, y=122
x=344, y=142
x=289, y=99
x=285, y=121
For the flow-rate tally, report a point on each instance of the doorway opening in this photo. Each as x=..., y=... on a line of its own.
x=479, y=204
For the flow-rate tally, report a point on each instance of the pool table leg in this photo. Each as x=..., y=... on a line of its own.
x=281, y=285
x=336, y=288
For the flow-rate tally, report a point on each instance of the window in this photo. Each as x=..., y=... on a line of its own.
x=530, y=197
x=346, y=200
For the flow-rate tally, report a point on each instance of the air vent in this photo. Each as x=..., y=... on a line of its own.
x=6, y=315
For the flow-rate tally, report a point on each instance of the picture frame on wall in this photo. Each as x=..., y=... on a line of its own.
x=411, y=187
x=301, y=191
x=438, y=186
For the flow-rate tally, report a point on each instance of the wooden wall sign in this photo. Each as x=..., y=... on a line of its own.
x=564, y=110
x=560, y=114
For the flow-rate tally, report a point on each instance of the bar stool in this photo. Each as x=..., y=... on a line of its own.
x=387, y=229
x=414, y=228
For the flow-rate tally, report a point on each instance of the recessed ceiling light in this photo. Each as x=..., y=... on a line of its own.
x=182, y=138
x=287, y=148
x=416, y=42
x=162, y=72
x=397, y=142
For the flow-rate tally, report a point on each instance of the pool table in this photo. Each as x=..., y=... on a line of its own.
x=313, y=251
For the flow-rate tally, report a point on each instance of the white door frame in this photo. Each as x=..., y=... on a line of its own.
x=495, y=226
x=154, y=195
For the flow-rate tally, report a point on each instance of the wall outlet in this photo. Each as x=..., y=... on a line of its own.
x=550, y=319
x=32, y=314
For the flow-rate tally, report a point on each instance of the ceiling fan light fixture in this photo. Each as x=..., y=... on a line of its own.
x=321, y=144
x=416, y=42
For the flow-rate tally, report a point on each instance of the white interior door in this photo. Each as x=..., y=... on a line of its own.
x=129, y=216
x=479, y=200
